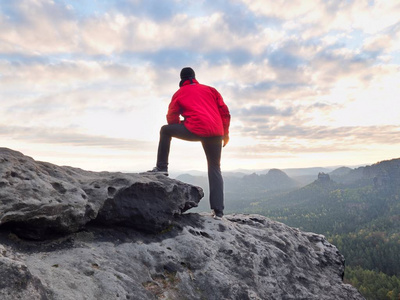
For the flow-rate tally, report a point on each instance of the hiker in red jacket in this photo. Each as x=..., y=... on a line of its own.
x=206, y=119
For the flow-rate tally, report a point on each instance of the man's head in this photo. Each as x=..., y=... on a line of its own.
x=187, y=73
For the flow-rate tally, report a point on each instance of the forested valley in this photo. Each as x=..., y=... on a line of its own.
x=358, y=210
x=363, y=222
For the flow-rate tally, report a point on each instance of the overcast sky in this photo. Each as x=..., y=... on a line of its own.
x=87, y=83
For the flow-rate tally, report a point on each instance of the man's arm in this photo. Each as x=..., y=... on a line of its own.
x=174, y=111
x=225, y=116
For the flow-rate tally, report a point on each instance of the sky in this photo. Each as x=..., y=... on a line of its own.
x=87, y=83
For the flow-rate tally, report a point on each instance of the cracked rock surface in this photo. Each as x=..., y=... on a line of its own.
x=39, y=199
x=70, y=234
x=241, y=257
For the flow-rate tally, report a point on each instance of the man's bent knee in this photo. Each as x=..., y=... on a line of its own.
x=164, y=130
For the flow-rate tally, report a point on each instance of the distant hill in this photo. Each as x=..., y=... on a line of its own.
x=382, y=173
x=240, y=190
x=295, y=172
x=353, y=197
x=291, y=172
x=342, y=171
x=274, y=180
x=358, y=210
x=264, y=193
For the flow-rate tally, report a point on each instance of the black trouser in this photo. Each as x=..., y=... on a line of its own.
x=212, y=147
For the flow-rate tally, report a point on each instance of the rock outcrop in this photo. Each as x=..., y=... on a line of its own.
x=39, y=199
x=126, y=236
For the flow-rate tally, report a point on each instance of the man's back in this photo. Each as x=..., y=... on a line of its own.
x=201, y=106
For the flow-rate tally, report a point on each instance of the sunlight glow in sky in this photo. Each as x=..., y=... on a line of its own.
x=308, y=83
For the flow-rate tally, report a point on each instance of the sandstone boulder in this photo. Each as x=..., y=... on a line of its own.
x=39, y=199
x=240, y=258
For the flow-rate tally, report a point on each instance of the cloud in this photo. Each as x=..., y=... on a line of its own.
x=296, y=74
x=313, y=18
x=35, y=27
x=131, y=27
x=315, y=134
x=157, y=11
x=67, y=77
x=263, y=111
x=56, y=136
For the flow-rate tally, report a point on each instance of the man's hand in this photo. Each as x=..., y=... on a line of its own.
x=226, y=140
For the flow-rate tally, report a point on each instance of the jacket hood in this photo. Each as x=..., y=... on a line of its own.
x=187, y=81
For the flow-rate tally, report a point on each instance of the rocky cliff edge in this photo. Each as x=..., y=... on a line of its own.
x=66, y=233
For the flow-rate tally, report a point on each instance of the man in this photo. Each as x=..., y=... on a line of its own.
x=206, y=119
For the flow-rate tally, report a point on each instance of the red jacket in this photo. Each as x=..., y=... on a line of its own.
x=203, y=109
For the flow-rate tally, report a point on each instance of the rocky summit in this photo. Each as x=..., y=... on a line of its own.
x=39, y=199
x=66, y=233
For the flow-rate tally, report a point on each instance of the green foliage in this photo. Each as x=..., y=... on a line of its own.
x=372, y=250
x=373, y=285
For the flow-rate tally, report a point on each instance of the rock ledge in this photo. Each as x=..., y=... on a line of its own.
x=70, y=234
x=39, y=199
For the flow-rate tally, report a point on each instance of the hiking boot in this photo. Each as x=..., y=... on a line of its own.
x=156, y=170
x=217, y=214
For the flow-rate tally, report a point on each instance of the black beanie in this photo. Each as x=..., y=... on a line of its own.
x=187, y=73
